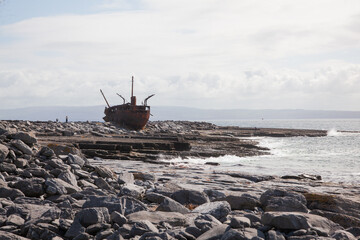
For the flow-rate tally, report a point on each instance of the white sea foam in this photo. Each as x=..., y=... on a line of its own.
x=333, y=133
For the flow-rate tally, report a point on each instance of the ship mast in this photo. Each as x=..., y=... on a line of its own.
x=133, y=98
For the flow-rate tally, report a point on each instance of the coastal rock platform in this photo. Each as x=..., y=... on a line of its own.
x=57, y=181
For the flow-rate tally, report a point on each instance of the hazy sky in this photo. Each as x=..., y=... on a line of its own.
x=206, y=53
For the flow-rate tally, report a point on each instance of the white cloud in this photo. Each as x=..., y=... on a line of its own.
x=194, y=53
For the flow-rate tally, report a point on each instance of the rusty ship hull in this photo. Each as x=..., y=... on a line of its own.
x=127, y=116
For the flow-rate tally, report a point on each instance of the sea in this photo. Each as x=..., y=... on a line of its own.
x=335, y=157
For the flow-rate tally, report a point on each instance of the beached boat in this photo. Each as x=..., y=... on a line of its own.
x=128, y=115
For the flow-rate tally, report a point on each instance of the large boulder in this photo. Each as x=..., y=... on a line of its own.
x=296, y=221
x=243, y=201
x=283, y=201
x=217, y=209
x=189, y=196
x=90, y=216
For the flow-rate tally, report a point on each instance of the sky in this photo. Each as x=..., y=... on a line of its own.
x=214, y=54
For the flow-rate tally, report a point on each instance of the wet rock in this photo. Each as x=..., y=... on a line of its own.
x=296, y=221
x=4, y=151
x=214, y=233
x=217, y=209
x=28, y=138
x=173, y=218
x=8, y=167
x=124, y=205
x=240, y=222
x=142, y=227
x=170, y=205
x=30, y=187
x=104, y=172
x=20, y=145
x=243, y=201
x=188, y=196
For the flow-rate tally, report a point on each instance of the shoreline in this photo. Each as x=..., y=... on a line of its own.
x=52, y=188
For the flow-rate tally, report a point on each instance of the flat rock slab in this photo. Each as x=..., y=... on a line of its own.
x=173, y=218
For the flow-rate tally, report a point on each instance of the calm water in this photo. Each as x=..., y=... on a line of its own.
x=335, y=157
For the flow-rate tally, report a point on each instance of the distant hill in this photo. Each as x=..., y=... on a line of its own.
x=95, y=113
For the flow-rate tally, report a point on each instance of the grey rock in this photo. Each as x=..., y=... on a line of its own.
x=125, y=177
x=46, y=152
x=243, y=201
x=141, y=227
x=154, y=197
x=95, y=228
x=124, y=205
x=11, y=193
x=15, y=219
x=205, y=222
x=90, y=216
x=144, y=176
x=30, y=187
x=11, y=236
x=173, y=218
x=57, y=186
x=8, y=167
x=343, y=235
x=82, y=236
x=104, y=172
x=4, y=151
x=104, y=234
x=214, y=233
x=75, y=159
x=102, y=184
x=296, y=221
x=28, y=138
x=285, y=204
x=156, y=236
x=240, y=222
x=38, y=172
x=118, y=218
x=75, y=229
x=58, y=164
x=187, y=196
x=354, y=231
x=170, y=205
x=279, y=193
x=20, y=162
x=20, y=145
x=275, y=235
x=244, y=234
x=217, y=209
x=68, y=177
x=215, y=195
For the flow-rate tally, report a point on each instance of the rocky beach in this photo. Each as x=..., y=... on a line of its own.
x=93, y=180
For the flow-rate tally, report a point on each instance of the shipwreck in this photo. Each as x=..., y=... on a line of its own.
x=128, y=115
